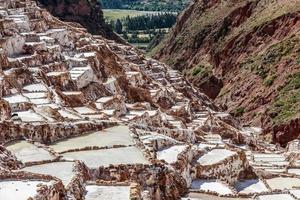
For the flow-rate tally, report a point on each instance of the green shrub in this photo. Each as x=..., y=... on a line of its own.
x=238, y=112
x=269, y=80
x=196, y=70
x=202, y=70
x=287, y=104
x=295, y=83
x=298, y=59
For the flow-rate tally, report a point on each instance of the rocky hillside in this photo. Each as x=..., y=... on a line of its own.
x=245, y=55
x=87, y=13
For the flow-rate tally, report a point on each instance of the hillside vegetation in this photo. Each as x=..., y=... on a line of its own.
x=146, y=5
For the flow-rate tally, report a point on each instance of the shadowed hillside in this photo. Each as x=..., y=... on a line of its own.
x=87, y=13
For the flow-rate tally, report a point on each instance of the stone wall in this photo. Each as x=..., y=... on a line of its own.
x=46, y=132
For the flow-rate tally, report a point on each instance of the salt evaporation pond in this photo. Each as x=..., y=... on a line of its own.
x=204, y=145
x=270, y=159
x=202, y=196
x=35, y=95
x=294, y=171
x=215, y=156
x=37, y=87
x=66, y=114
x=118, y=135
x=105, y=157
x=61, y=170
x=296, y=193
x=276, y=197
x=211, y=186
x=29, y=116
x=170, y=154
x=282, y=183
x=27, y=152
x=84, y=110
x=16, y=98
x=250, y=186
x=95, y=192
x=19, y=190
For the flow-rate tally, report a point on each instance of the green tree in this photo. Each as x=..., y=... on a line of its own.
x=125, y=36
x=118, y=27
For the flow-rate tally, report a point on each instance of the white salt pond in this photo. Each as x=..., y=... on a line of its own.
x=17, y=98
x=215, y=156
x=35, y=95
x=51, y=105
x=105, y=157
x=296, y=193
x=213, y=138
x=294, y=171
x=170, y=154
x=269, y=157
x=95, y=192
x=72, y=93
x=211, y=186
x=29, y=116
x=55, y=73
x=141, y=112
x=38, y=87
x=19, y=190
x=203, y=196
x=118, y=135
x=40, y=101
x=61, y=170
x=109, y=112
x=204, y=145
x=104, y=99
x=158, y=138
x=270, y=168
x=282, y=183
x=250, y=186
x=84, y=110
x=276, y=197
x=96, y=116
x=27, y=152
x=66, y=114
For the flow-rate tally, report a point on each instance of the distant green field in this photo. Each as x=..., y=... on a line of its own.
x=138, y=37
x=114, y=14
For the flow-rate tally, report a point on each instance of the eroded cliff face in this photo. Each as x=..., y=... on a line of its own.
x=245, y=54
x=87, y=13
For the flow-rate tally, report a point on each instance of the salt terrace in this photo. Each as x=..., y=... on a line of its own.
x=83, y=117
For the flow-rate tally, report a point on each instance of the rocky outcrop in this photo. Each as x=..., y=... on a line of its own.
x=87, y=13
x=5, y=110
x=284, y=133
x=241, y=53
x=7, y=159
x=47, y=133
x=160, y=181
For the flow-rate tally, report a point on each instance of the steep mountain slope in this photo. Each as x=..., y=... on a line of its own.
x=246, y=55
x=85, y=12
